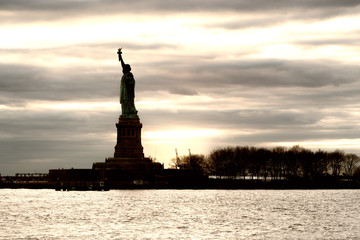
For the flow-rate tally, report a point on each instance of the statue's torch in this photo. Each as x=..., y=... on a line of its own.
x=119, y=53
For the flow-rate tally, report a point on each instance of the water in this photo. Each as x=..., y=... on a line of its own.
x=180, y=214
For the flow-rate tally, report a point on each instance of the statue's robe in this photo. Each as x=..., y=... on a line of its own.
x=127, y=96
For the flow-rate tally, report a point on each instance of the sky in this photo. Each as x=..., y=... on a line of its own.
x=208, y=74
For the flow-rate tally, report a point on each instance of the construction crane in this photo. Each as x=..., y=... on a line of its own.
x=177, y=161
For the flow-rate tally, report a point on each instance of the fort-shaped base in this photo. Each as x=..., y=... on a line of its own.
x=126, y=164
x=128, y=143
x=128, y=149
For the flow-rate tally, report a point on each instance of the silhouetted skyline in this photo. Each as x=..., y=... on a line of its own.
x=249, y=73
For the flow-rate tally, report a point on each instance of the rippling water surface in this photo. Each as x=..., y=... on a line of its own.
x=180, y=214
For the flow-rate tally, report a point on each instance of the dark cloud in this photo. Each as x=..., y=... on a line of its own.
x=290, y=135
x=250, y=22
x=210, y=76
x=51, y=10
x=172, y=5
x=183, y=91
x=37, y=140
x=234, y=119
x=14, y=78
x=19, y=83
x=338, y=41
x=40, y=155
x=273, y=73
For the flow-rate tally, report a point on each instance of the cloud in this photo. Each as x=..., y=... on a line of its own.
x=242, y=5
x=41, y=10
x=183, y=91
x=33, y=155
x=215, y=76
x=244, y=23
x=41, y=139
x=234, y=119
x=347, y=41
x=21, y=83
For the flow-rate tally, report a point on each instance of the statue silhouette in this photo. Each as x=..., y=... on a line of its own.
x=127, y=91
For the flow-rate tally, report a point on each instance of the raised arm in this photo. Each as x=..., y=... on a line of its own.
x=120, y=58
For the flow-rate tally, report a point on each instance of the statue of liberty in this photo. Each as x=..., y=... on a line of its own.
x=127, y=91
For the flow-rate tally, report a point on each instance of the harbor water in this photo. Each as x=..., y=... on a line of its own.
x=180, y=214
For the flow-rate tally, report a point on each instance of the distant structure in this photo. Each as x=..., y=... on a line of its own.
x=128, y=166
x=128, y=155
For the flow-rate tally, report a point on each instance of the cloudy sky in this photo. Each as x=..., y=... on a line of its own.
x=208, y=74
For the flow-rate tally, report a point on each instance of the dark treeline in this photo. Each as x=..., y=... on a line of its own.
x=276, y=163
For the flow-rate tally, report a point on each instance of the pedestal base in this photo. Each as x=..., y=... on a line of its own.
x=128, y=166
x=124, y=163
x=128, y=143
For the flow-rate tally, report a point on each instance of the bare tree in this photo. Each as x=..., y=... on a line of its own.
x=350, y=163
x=336, y=160
x=277, y=162
x=194, y=162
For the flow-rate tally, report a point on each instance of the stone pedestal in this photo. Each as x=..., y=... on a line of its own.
x=128, y=143
x=128, y=153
